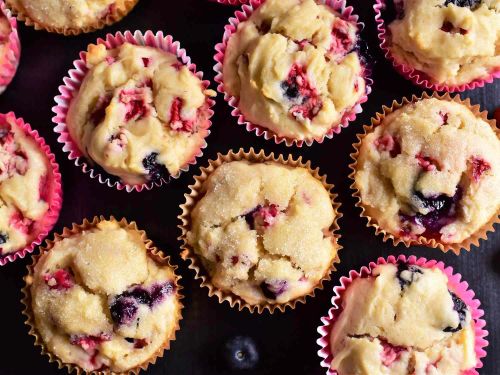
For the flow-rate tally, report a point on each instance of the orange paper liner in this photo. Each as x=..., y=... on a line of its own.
x=422, y=241
x=153, y=252
x=113, y=16
x=195, y=195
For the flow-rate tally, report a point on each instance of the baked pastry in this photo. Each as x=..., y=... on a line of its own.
x=10, y=47
x=263, y=231
x=25, y=187
x=452, y=42
x=71, y=16
x=294, y=68
x=431, y=170
x=402, y=319
x=102, y=301
x=140, y=114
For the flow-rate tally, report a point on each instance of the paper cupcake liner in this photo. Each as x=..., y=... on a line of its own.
x=73, y=81
x=231, y=2
x=195, y=195
x=377, y=120
x=347, y=13
x=111, y=18
x=417, y=77
x=455, y=283
x=153, y=252
x=12, y=53
x=46, y=223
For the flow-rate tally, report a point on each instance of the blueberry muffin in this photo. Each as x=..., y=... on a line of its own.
x=263, y=231
x=403, y=319
x=431, y=170
x=101, y=301
x=452, y=42
x=294, y=67
x=71, y=16
x=140, y=114
x=25, y=187
x=9, y=48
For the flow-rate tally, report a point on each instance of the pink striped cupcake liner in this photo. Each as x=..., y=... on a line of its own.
x=42, y=227
x=417, y=77
x=347, y=13
x=231, y=2
x=455, y=283
x=73, y=81
x=12, y=54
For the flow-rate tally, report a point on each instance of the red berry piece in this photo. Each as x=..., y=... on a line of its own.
x=135, y=103
x=21, y=223
x=390, y=353
x=273, y=288
x=89, y=343
x=99, y=112
x=478, y=167
x=110, y=60
x=388, y=143
x=444, y=117
x=146, y=61
x=59, y=280
x=176, y=120
x=342, y=43
x=427, y=163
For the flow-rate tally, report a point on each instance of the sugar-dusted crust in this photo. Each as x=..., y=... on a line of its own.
x=100, y=301
x=431, y=168
x=451, y=44
x=140, y=113
x=294, y=69
x=402, y=319
x=24, y=170
x=262, y=231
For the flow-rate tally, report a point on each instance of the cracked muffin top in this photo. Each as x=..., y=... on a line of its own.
x=140, y=113
x=25, y=176
x=5, y=31
x=430, y=169
x=263, y=231
x=452, y=41
x=293, y=66
x=101, y=302
x=401, y=320
x=71, y=14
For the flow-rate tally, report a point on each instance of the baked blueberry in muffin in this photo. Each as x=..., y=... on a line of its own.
x=452, y=42
x=430, y=169
x=140, y=114
x=402, y=319
x=101, y=301
x=294, y=67
x=25, y=178
x=263, y=231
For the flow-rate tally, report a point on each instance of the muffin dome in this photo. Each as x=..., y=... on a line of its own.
x=430, y=169
x=263, y=231
x=294, y=68
x=402, y=319
x=101, y=301
x=452, y=42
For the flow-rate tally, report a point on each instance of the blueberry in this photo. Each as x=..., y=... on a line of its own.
x=123, y=310
x=273, y=288
x=4, y=237
x=155, y=170
x=409, y=278
x=290, y=89
x=240, y=353
x=472, y=4
x=249, y=217
x=461, y=308
x=141, y=295
x=160, y=291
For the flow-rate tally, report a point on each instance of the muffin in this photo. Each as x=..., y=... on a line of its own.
x=448, y=42
x=402, y=319
x=263, y=232
x=140, y=114
x=70, y=16
x=10, y=47
x=29, y=186
x=428, y=172
x=294, y=68
x=101, y=298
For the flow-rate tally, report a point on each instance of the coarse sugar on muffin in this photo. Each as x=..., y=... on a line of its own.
x=402, y=319
x=71, y=16
x=25, y=180
x=140, y=113
x=430, y=169
x=263, y=231
x=452, y=42
x=294, y=68
x=102, y=301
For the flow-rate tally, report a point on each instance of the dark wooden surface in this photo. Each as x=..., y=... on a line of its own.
x=287, y=342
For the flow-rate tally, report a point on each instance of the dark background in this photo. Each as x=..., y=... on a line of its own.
x=287, y=342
